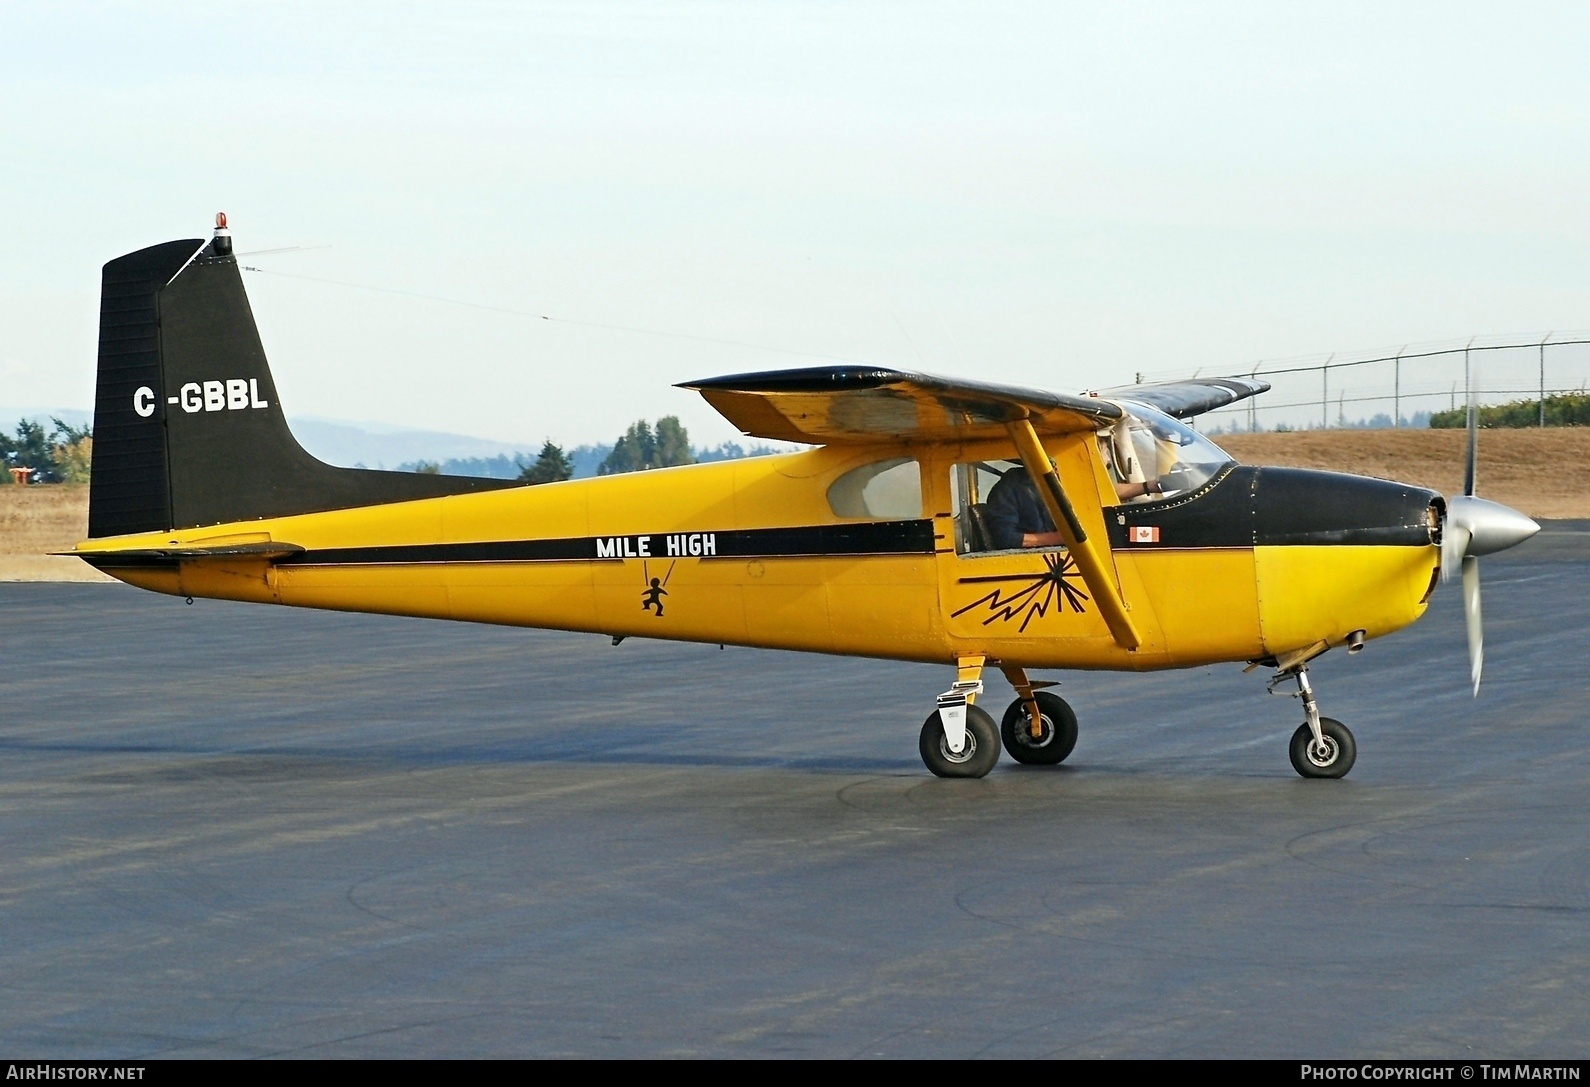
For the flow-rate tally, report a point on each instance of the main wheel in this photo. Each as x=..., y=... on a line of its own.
x=1337, y=757
x=975, y=758
x=1052, y=746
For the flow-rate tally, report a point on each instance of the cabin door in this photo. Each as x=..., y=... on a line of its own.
x=994, y=590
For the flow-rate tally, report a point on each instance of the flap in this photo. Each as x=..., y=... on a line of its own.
x=1184, y=399
x=835, y=405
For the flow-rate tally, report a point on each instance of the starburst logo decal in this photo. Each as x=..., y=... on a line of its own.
x=1035, y=595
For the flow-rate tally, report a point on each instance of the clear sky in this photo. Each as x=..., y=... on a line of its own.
x=1049, y=194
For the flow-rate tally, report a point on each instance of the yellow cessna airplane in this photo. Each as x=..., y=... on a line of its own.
x=939, y=520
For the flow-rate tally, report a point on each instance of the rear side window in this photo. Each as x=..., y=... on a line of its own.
x=885, y=490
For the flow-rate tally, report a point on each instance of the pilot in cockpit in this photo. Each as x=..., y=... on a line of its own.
x=1017, y=517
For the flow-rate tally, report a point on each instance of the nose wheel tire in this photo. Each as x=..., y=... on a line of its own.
x=1333, y=760
x=977, y=755
x=1058, y=737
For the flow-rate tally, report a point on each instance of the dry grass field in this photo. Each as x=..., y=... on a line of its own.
x=37, y=520
x=1541, y=472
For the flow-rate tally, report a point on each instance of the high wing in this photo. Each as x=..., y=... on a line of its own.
x=834, y=405
x=1184, y=399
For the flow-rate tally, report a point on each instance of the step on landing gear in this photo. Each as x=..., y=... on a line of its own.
x=1322, y=747
x=960, y=740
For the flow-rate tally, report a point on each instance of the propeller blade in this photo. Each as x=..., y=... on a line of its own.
x=1471, y=614
x=1473, y=527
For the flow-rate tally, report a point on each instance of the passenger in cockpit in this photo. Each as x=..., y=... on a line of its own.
x=1127, y=491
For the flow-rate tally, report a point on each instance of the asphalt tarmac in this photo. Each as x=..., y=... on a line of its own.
x=230, y=830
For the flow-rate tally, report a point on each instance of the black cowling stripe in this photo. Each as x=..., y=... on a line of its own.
x=1277, y=507
x=1300, y=506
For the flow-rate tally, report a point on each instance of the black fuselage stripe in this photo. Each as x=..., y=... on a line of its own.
x=815, y=541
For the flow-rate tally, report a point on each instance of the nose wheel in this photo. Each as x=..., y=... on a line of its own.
x=1331, y=756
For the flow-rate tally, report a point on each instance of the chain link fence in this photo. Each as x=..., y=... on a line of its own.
x=1404, y=388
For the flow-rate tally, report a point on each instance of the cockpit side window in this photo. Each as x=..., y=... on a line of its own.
x=1152, y=457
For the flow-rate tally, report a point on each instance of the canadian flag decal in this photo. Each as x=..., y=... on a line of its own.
x=1139, y=534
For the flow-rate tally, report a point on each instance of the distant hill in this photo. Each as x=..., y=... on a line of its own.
x=380, y=445
x=337, y=441
x=10, y=417
x=586, y=459
x=371, y=445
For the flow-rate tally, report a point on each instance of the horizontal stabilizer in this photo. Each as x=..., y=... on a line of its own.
x=1184, y=399
x=161, y=556
x=834, y=405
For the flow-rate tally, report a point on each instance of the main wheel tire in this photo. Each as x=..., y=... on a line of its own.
x=976, y=757
x=1341, y=750
x=1059, y=731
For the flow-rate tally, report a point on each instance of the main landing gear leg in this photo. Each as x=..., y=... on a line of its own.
x=960, y=740
x=1017, y=676
x=1322, y=747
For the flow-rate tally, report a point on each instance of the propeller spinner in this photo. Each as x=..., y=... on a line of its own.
x=1470, y=528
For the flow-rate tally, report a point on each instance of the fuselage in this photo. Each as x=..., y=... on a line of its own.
x=769, y=551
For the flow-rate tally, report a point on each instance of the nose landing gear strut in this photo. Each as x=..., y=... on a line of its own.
x=1322, y=747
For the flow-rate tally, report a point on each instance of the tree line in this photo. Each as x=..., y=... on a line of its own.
x=643, y=446
x=639, y=449
x=60, y=453
x=1564, y=409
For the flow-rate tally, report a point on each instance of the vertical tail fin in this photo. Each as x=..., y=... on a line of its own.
x=188, y=429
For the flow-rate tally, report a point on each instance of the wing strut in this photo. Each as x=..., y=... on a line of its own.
x=1089, y=562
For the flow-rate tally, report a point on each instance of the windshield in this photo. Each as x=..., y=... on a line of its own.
x=1148, y=445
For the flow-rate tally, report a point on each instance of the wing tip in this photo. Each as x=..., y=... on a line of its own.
x=803, y=379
